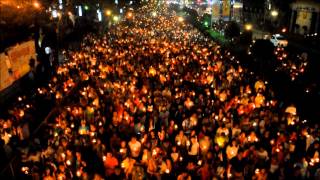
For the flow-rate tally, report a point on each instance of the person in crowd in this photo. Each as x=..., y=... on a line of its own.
x=154, y=98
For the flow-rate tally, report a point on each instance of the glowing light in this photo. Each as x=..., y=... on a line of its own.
x=248, y=27
x=154, y=14
x=115, y=18
x=108, y=12
x=274, y=13
x=68, y=162
x=99, y=14
x=36, y=5
x=284, y=30
x=54, y=13
x=78, y=173
x=129, y=15
x=80, y=11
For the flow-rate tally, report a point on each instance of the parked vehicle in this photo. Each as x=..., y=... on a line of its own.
x=279, y=40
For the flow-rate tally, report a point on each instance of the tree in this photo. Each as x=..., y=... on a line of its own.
x=232, y=30
x=262, y=51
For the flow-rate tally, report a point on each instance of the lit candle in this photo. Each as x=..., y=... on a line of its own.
x=181, y=158
x=78, y=173
x=188, y=143
x=154, y=152
x=68, y=162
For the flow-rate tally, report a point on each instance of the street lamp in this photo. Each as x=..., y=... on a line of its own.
x=108, y=12
x=248, y=27
x=115, y=18
x=274, y=13
x=36, y=5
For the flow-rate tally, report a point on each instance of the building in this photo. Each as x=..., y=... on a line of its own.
x=227, y=10
x=305, y=17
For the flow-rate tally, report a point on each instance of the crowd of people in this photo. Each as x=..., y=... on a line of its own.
x=154, y=98
x=294, y=65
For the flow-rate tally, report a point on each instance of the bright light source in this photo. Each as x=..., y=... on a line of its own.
x=180, y=19
x=248, y=27
x=99, y=15
x=47, y=50
x=54, y=13
x=154, y=14
x=116, y=18
x=130, y=2
x=284, y=30
x=237, y=5
x=274, y=13
x=60, y=1
x=116, y=1
x=60, y=6
x=108, y=12
x=129, y=15
x=121, y=10
x=80, y=11
x=36, y=5
x=86, y=7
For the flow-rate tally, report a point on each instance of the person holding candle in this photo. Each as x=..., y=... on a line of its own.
x=135, y=147
x=237, y=165
x=232, y=149
x=181, y=139
x=194, y=149
x=205, y=145
x=110, y=162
